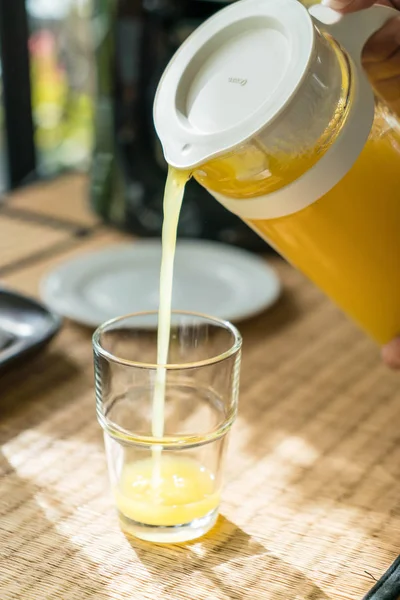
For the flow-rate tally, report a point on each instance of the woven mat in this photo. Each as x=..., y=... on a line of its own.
x=20, y=240
x=69, y=205
x=311, y=509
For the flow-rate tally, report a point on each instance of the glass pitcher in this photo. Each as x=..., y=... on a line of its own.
x=269, y=107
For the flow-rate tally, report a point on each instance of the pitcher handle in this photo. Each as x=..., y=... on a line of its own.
x=352, y=31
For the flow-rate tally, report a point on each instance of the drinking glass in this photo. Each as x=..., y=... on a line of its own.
x=166, y=466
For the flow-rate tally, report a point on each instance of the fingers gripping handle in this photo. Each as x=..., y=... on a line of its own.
x=352, y=31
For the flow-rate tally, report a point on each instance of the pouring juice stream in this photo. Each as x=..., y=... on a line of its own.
x=166, y=490
x=173, y=196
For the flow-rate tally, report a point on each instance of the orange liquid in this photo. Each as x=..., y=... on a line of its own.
x=348, y=242
x=186, y=491
x=250, y=171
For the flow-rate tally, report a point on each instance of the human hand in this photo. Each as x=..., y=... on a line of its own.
x=391, y=354
x=381, y=57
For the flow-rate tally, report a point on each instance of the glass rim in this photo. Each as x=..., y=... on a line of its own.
x=227, y=325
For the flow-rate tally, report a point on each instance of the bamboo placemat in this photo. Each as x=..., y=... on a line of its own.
x=311, y=508
x=67, y=200
x=20, y=240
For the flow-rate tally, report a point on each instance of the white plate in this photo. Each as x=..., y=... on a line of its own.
x=210, y=278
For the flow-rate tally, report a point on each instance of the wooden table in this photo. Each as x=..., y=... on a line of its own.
x=311, y=507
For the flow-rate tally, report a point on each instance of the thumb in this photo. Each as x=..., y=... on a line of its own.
x=391, y=354
x=348, y=5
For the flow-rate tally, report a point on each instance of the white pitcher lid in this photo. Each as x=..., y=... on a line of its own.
x=233, y=76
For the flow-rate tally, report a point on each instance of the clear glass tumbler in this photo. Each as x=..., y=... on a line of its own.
x=166, y=462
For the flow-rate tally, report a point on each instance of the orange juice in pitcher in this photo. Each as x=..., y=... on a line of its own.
x=268, y=105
